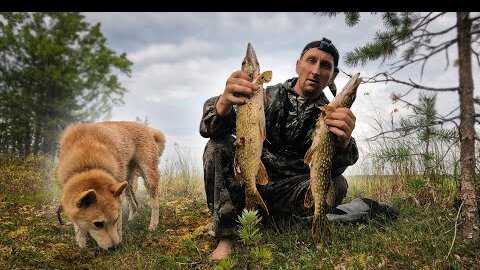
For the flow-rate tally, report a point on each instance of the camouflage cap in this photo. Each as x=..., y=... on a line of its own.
x=325, y=45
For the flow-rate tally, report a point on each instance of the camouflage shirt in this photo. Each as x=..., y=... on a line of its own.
x=290, y=121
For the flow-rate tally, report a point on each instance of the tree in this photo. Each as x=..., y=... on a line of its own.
x=411, y=33
x=428, y=132
x=55, y=69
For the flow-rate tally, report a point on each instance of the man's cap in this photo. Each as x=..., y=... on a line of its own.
x=325, y=45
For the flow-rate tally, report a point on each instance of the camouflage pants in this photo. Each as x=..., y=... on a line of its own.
x=226, y=196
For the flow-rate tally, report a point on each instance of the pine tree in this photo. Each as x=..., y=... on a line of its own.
x=411, y=33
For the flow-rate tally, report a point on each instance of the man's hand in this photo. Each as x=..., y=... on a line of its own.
x=237, y=88
x=341, y=122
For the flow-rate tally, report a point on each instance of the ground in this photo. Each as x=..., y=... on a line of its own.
x=32, y=238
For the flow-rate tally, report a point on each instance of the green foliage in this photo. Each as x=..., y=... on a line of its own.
x=31, y=238
x=382, y=47
x=55, y=69
x=225, y=264
x=180, y=167
x=402, y=31
x=261, y=255
x=415, y=183
x=248, y=229
x=352, y=18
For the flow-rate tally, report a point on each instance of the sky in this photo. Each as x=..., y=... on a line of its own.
x=182, y=59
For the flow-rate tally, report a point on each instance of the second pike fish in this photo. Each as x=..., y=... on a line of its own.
x=250, y=134
x=319, y=157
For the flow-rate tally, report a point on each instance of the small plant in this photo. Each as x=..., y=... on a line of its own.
x=248, y=231
x=415, y=183
x=225, y=264
x=261, y=255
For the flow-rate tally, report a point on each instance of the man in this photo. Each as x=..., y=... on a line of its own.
x=291, y=111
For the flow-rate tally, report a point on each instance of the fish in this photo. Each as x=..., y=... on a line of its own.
x=250, y=134
x=333, y=88
x=319, y=158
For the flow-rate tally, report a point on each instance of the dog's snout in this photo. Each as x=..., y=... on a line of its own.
x=112, y=248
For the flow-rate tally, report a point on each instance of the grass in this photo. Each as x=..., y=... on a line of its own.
x=31, y=238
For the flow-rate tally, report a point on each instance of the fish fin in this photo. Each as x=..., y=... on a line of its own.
x=262, y=176
x=252, y=200
x=261, y=125
x=264, y=97
x=315, y=229
x=330, y=199
x=327, y=109
x=321, y=228
x=308, y=202
x=333, y=88
x=265, y=77
x=308, y=156
x=239, y=142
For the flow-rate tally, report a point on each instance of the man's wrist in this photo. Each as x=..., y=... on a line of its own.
x=344, y=145
x=223, y=107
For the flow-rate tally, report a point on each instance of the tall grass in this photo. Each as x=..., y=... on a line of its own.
x=421, y=238
x=180, y=174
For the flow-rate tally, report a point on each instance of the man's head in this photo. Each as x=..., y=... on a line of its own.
x=316, y=67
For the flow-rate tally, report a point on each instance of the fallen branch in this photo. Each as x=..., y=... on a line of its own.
x=455, y=232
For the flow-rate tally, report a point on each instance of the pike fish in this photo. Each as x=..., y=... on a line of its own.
x=250, y=134
x=319, y=158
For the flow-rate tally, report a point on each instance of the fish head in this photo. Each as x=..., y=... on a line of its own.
x=250, y=64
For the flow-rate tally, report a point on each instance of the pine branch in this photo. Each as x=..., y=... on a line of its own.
x=423, y=57
x=403, y=129
x=458, y=107
x=477, y=55
x=389, y=78
x=441, y=119
x=474, y=18
x=423, y=23
x=425, y=34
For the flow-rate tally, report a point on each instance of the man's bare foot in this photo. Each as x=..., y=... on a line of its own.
x=223, y=250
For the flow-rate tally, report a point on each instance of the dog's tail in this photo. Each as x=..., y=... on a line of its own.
x=159, y=139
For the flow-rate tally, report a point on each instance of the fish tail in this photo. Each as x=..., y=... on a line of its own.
x=254, y=199
x=320, y=227
x=325, y=228
x=315, y=229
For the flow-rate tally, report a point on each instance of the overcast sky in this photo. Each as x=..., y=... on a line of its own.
x=182, y=59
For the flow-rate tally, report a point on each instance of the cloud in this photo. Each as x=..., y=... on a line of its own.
x=181, y=59
x=159, y=52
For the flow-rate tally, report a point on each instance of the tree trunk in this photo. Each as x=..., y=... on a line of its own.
x=469, y=211
x=427, y=196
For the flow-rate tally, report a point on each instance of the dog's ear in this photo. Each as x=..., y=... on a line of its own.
x=86, y=198
x=117, y=189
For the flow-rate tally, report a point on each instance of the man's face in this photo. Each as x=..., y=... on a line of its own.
x=314, y=70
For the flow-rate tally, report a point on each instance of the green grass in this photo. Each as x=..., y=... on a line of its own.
x=31, y=238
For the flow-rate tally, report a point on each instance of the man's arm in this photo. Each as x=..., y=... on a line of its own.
x=218, y=117
x=344, y=157
x=214, y=125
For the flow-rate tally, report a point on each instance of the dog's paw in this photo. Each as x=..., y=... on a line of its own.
x=152, y=227
x=82, y=242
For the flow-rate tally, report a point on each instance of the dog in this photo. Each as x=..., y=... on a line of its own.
x=98, y=164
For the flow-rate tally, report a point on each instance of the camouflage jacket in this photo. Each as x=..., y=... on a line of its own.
x=290, y=121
